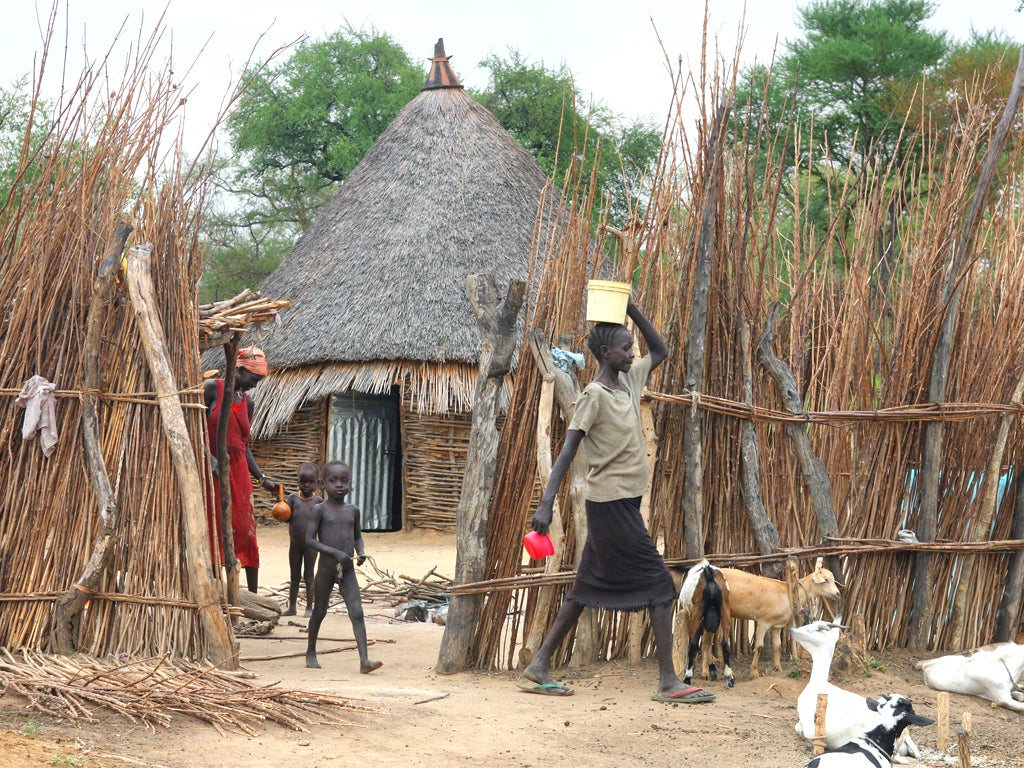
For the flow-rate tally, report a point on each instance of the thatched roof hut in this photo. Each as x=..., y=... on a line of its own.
x=379, y=305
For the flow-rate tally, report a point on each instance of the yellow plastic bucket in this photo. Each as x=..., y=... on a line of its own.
x=606, y=301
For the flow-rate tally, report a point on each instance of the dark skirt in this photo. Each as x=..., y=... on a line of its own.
x=621, y=569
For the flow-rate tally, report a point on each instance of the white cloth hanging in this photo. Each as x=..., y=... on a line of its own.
x=36, y=397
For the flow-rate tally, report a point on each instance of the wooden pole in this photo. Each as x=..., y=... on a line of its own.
x=227, y=524
x=819, y=724
x=545, y=595
x=496, y=320
x=812, y=468
x=693, y=471
x=213, y=620
x=942, y=721
x=963, y=748
x=68, y=606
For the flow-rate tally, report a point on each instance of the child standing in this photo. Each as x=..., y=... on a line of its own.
x=301, y=558
x=620, y=568
x=335, y=533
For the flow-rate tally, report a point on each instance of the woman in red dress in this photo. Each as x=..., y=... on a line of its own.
x=252, y=366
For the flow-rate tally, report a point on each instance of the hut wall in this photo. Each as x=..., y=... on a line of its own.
x=302, y=439
x=434, y=448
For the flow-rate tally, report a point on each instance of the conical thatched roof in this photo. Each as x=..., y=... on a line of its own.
x=377, y=283
x=380, y=275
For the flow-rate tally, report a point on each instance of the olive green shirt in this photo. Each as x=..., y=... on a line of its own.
x=617, y=464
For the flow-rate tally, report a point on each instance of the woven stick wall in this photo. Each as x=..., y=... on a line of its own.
x=76, y=181
x=855, y=345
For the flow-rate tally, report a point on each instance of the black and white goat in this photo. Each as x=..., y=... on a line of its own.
x=704, y=601
x=874, y=749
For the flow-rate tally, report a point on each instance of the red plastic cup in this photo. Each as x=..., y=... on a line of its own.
x=538, y=545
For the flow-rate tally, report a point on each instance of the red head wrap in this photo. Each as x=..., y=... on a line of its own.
x=253, y=359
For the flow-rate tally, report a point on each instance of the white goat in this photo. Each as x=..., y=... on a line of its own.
x=766, y=602
x=992, y=672
x=875, y=748
x=848, y=715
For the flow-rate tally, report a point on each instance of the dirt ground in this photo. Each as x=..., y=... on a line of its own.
x=483, y=718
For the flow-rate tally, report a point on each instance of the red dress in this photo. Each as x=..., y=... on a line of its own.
x=243, y=519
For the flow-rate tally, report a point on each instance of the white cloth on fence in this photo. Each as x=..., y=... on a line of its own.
x=36, y=397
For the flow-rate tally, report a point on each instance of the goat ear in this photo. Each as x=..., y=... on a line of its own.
x=818, y=563
x=872, y=704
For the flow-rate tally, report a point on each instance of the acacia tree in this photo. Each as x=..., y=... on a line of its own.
x=835, y=101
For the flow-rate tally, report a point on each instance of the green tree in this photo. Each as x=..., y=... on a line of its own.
x=545, y=111
x=834, y=104
x=298, y=131
x=15, y=117
x=855, y=59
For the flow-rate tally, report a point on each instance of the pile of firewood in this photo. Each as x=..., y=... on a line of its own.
x=217, y=321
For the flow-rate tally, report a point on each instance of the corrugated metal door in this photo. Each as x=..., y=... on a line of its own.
x=364, y=433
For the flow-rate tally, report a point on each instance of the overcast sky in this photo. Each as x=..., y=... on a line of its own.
x=611, y=46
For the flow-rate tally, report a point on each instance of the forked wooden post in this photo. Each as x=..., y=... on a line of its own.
x=216, y=630
x=496, y=321
x=819, y=724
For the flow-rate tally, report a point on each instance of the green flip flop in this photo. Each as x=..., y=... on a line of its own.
x=544, y=689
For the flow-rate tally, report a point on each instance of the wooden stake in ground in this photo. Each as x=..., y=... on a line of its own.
x=963, y=748
x=496, y=320
x=219, y=638
x=942, y=721
x=819, y=723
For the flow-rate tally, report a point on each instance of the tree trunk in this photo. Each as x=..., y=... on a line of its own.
x=68, y=606
x=216, y=629
x=692, y=496
x=921, y=612
x=496, y=320
x=766, y=535
x=812, y=468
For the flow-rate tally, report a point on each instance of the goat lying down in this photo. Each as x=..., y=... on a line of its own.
x=992, y=672
x=875, y=748
x=848, y=715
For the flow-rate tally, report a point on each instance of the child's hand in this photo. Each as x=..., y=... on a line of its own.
x=541, y=520
x=360, y=558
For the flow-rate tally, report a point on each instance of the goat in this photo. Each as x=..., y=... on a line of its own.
x=874, y=749
x=704, y=597
x=766, y=602
x=848, y=715
x=991, y=672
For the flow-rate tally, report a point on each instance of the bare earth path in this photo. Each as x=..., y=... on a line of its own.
x=477, y=719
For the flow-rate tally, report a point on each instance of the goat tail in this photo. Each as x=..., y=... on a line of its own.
x=711, y=601
x=689, y=586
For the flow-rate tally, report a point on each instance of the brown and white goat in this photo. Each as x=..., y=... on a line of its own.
x=767, y=603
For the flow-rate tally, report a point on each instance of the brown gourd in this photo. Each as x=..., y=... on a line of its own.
x=281, y=510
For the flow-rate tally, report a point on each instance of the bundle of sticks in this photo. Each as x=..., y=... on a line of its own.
x=150, y=690
x=432, y=588
x=217, y=321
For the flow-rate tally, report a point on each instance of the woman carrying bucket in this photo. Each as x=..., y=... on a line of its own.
x=620, y=568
